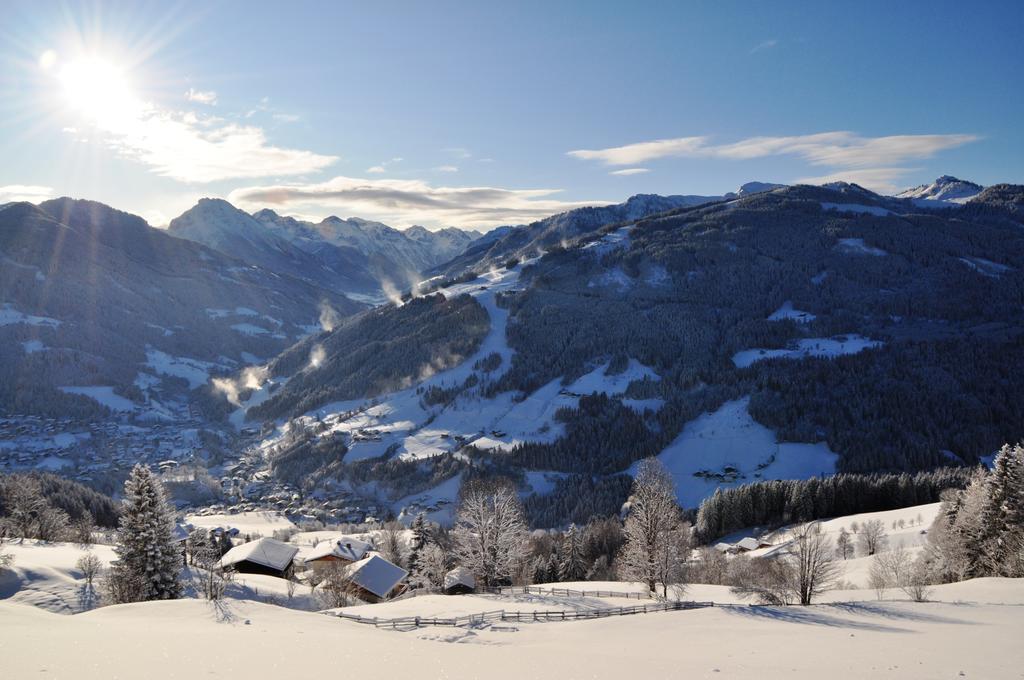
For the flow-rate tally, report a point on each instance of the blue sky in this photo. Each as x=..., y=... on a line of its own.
x=478, y=114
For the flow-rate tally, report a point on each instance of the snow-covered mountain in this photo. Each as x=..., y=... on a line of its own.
x=944, y=190
x=346, y=255
x=91, y=296
x=528, y=240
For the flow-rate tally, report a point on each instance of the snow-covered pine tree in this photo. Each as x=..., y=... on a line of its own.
x=148, y=562
x=1003, y=516
x=551, y=569
x=572, y=566
x=419, y=540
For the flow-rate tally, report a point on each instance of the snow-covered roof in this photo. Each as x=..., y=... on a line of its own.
x=748, y=543
x=376, y=575
x=459, y=576
x=345, y=548
x=723, y=547
x=266, y=551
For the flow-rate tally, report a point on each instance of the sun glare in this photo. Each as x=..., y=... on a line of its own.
x=98, y=90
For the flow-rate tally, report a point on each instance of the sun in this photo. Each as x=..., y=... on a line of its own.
x=97, y=90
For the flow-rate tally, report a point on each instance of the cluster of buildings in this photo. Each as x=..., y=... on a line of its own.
x=364, y=573
x=84, y=450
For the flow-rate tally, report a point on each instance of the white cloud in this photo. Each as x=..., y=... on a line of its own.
x=446, y=168
x=631, y=154
x=629, y=171
x=764, y=45
x=881, y=180
x=287, y=117
x=839, y=149
x=377, y=169
x=208, y=97
x=191, y=148
x=874, y=162
x=407, y=202
x=24, y=192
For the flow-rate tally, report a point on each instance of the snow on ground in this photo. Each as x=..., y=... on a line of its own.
x=104, y=395
x=44, y=575
x=33, y=346
x=986, y=267
x=611, y=241
x=856, y=208
x=868, y=639
x=252, y=523
x=786, y=311
x=196, y=372
x=856, y=246
x=613, y=278
x=401, y=423
x=728, y=448
x=9, y=315
x=248, y=329
x=438, y=503
x=808, y=347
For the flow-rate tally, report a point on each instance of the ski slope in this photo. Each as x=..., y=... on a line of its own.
x=827, y=348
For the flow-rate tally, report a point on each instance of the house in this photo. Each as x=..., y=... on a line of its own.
x=265, y=556
x=344, y=550
x=373, y=578
x=459, y=581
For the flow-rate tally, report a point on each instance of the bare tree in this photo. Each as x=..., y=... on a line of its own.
x=878, y=579
x=90, y=566
x=25, y=503
x=655, y=547
x=336, y=588
x=895, y=566
x=490, y=534
x=81, y=531
x=872, y=536
x=768, y=580
x=917, y=586
x=390, y=543
x=844, y=546
x=814, y=557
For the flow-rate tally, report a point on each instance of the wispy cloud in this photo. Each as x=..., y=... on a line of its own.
x=764, y=45
x=629, y=171
x=208, y=97
x=24, y=192
x=383, y=167
x=458, y=152
x=883, y=180
x=845, y=153
x=446, y=168
x=287, y=117
x=406, y=202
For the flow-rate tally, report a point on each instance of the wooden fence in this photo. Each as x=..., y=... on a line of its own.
x=566, y=592
x=410, y=622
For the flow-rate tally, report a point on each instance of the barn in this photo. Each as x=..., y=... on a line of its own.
x=344, y=550
x=373, y=578
x=459, y=581
x=265, y=556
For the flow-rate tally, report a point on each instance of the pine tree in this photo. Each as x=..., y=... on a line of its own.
x=572, y=566
x=148, y=558
x=551, y=569
x=420, y=538
x=1003, y=515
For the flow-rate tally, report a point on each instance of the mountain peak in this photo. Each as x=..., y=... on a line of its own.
x=946, y=189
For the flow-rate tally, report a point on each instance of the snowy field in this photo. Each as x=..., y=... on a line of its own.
x=808, y=347
x=970, y=629
x=251, y=523
x=189, y=638
x=728, y=448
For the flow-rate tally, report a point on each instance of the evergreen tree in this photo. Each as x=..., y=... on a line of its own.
x=572, y=566
x=1003, y=516
x=148, y=558
x=420, y=538
x=551, y=569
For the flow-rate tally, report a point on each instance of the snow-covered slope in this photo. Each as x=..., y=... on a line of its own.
x=944, y=191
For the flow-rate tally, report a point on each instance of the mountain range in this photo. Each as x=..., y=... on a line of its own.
x=771, y=332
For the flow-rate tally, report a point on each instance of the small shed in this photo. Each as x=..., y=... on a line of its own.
x=373, y=578
x=459, y=581
x=265, y=556
x=344, y=550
